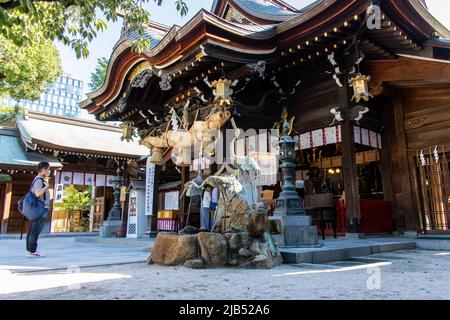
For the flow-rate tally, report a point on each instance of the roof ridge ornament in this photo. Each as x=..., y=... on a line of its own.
x=141, y=80
x=145, y=65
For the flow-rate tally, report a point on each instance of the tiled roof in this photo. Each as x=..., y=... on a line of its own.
x=265, y=9
x=14, y=153
x=152, y=34
x=254, y=27
x=78, y=136
x=442, y=40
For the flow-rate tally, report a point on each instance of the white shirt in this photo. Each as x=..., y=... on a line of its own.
x=206, y=202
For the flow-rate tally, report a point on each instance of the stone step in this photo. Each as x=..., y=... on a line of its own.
x=433, y=243
x=51, y=235
x=146, y=243
x=340, y=250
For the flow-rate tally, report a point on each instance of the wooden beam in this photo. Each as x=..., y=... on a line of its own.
x=6, y=207
x=404, y=70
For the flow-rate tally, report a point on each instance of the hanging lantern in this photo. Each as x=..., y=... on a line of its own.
x=360, y=86
x=222, y=91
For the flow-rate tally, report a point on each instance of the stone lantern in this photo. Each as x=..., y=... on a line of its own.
x=297, y=226
x=289, y=202
x=113, y=223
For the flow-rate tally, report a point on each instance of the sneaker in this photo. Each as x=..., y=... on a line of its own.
x=35, y=255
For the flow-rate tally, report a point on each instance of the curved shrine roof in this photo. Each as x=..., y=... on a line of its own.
x=256, y=41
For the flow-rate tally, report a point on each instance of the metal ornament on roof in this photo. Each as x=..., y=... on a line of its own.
x=122, y=104
x=165, y=83
x=128, y=131
x=141, y=80
x=233, y=14
x=358, y=112
x=258, y=68
x=338, y=114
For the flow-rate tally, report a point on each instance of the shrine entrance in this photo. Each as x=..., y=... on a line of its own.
x=433, y=180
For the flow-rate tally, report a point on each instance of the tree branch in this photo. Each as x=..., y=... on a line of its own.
x=15, y=4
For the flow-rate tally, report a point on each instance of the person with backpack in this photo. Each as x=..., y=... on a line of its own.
x=39, y=188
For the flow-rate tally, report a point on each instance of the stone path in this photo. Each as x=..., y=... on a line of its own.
x=409, y=274
x=62, y=253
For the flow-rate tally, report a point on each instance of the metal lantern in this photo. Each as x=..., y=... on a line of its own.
x=360, y=86
x=222, y=91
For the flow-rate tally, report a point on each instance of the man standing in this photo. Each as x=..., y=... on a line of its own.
x=40, y=188
x=205, y=210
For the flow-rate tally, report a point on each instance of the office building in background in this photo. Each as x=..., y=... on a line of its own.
x=61, y=99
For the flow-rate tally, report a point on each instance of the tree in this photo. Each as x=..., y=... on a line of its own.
x=98, y=76
x=8, y=115
x=74, y=22
x=75, y=201
x=27, y=69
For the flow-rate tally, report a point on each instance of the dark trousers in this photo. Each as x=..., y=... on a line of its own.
x=33, y=233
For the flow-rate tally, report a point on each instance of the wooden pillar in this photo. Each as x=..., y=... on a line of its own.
x=408, y=212
x=6, y=207
x=387, y=173
x=350, y=173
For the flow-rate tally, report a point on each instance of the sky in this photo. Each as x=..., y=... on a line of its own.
x=166, y=14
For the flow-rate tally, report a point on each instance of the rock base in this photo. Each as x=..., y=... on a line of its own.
x=252, y=248
x=208, y=249
x=171, y=249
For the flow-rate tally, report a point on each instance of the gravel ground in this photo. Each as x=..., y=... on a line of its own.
x=403, y=275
